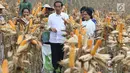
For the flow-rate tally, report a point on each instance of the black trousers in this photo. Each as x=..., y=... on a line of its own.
x=57, y=55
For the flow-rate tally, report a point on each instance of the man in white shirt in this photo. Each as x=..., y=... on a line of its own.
x=88, y=23
x=57, y=27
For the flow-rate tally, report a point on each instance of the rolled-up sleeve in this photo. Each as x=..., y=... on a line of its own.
x=49, y=22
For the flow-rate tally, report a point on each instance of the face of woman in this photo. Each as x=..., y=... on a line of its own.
x=26, y=12
x=85, y=15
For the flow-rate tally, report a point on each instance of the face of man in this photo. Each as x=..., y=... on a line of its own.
x=58, y=7
x=85, y=15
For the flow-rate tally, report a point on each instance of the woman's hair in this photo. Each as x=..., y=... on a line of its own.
x=24, y=9
x=89, y=12
x=83, y=9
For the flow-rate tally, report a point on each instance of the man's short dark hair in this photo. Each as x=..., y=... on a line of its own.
x=58, y=2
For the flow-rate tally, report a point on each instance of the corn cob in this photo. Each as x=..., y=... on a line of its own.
x=12, y=25
x=79, y=41
x=108, y=21
x=33, y=11
x=80, y=22
x=98, y=43
x=34, y=28
x=23, y=43
x=83, y=31
x=85, y=71
x=117, y=27
x=20, y=39
x=120, y=37
x=5, y=66
x=30, y=22
x=34, y=42
x=89, y=44
x=72, y=56
x=23, y=46
x=77, y=32
x=71, y=18
x=121, y=28
x=37, y=11
x=45, y=19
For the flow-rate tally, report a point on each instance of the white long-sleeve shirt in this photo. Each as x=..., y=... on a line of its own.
x=90, y=27
x=57, y=22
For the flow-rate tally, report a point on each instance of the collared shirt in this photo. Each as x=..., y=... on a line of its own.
x=90, y=27
x=57, y=22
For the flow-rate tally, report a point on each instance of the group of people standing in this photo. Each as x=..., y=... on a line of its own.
x=56, y=25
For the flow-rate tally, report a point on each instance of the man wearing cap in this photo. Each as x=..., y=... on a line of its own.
x=24, y=4
x=48, y=11
x=57, y=27
x=46, y=49
x=1, y=35
x=87, y=21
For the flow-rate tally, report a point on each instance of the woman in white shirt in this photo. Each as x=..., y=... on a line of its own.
x=88, y=23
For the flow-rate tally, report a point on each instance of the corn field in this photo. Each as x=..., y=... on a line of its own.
x=108, y=5
x=107, y=52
